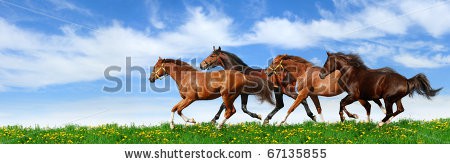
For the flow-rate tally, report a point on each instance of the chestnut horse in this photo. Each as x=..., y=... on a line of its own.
x=230, y=61
x=195, y=85
x=361, y=83
x=309, y=84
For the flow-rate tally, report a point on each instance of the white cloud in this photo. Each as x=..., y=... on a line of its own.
x=431, y=15
x=255, y=8
x=34, y=59
x=65, y=5
x=373, y=21
x=41, y=59
x=316, y=61
x=417, y=61
x=155, y=14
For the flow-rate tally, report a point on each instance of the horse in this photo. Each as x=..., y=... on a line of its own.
x=230, y=61
x=309, y=84
x=195, y=85
x=361, y=83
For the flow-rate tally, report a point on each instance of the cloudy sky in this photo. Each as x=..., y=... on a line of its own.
x=53, y=53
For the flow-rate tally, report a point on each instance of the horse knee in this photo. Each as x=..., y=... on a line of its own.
x=279, y=106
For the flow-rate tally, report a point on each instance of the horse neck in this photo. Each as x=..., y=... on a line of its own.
x=300, y=68
x=348, y=73
x=175, y=72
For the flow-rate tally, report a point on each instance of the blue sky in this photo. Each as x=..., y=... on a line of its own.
x=53, y=52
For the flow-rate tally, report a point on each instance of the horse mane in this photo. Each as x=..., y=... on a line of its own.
x=295, y=58
x=183, y=65
x=234, y=57
x=386, y=70
x=353, y=59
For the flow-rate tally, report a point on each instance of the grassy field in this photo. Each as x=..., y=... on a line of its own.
x=350, y=132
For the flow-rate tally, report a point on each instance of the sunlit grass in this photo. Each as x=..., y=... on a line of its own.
x=350, y=132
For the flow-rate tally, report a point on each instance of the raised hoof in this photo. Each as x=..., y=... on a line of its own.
x=259, y=117
x=355, y=116
x=314, y=118
x=192, y=121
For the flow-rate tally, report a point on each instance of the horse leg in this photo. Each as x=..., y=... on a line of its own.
x=291, y=93
x=400, y=109
x=278, y=105
x=308, y=111
x=347, y=100
x=244, y=99
x=216, y=117
x=316, y=102
x=388, y=105
x=174, y=109
x=302, y=95
x=366, y=106
x=230, y=110
x=184, y=104
x=378, y=102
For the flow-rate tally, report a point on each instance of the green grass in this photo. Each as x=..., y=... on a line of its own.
x=403, y=131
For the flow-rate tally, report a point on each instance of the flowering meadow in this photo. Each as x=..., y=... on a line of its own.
x=349, y=132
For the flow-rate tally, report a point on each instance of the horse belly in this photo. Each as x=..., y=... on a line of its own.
x=208, y=92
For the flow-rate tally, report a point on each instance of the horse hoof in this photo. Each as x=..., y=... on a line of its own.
x=266, y=122
x=213, y=121
x=259, y=117
x=192, y=120
x=279, y=124
x=380, y=124
x=219, y=127
x=355, y=116
x=172, y=126
x=314, y=118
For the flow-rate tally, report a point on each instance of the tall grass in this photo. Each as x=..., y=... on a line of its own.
x=350, y=132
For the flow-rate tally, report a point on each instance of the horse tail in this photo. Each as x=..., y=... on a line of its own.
x=259, y=87
x=421, y=86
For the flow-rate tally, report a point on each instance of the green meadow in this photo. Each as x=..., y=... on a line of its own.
x=350, y=132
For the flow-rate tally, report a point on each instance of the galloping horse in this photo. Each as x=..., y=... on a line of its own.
x=230, y=61
x=195, y=85
x=361, y=83
x=309, y=84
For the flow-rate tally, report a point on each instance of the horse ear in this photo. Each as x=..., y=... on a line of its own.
x=214, y=48
x=328, y=53
x=220, y=49
x=159, y=57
